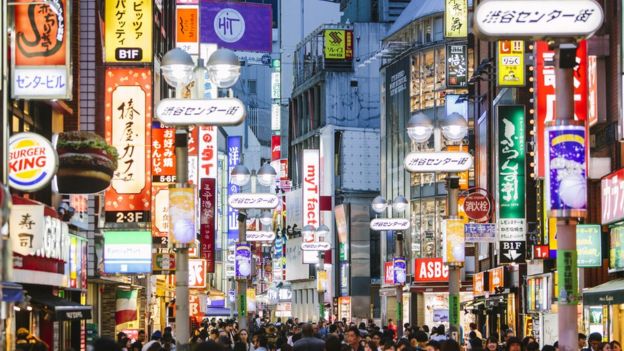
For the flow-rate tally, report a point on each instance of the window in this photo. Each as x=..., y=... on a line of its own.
x=252, y=87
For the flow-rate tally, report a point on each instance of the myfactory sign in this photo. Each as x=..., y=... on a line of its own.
x=311, y=188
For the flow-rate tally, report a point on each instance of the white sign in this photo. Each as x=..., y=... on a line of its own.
x=428, y=162
x=236, y=27
x=275, y=85
x=511, y=229
x=32, y=161
x=41, y=82
x=26, y=228
x=161, y=209
x=390, y=224
x=317, y=246
x=480, y=232
x=197, y=273
x=222, y=112
x=311, y=189
x=265, y=235
x=258, y=201
x=276, y=117
x=538, y=19
x=207, y=152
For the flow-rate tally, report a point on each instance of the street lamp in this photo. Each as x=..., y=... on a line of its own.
x=177, y=68
x=454, y=127
x=419, y=128
x=224, y=68
x=312, y=234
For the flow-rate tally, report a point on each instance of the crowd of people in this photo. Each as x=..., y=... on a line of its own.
x=291, y=335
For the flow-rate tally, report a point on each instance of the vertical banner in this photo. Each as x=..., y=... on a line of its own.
x=207, y=152
x=193, y=135
x=207, y=197
x=160, y=210
x=163, y=155
x=511, y=221
x=588, y=245
x=456, y=66
x=276, y=151
x=567, y=272
x=187, y=25
x=454, y=247
x=128, y=31
x=181, y=215
x=197, y=273
x=545, y=94
x=40, y=50
x=234, y=152
x=510, y=67
x=128, y=116
x=242, y=261
x=399, y=270
x=251, y=300
x=455, y=18
x=311, y=189
x=566, y=178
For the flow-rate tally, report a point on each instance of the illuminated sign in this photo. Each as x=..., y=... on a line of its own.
x=510, y=67
x=390, y=224
x=428, y=270
x=128, y=31
x=456, y=18
x=127, y=251
x=225, y=111
x=311, y=188
x=32, y=161
x=429, y=162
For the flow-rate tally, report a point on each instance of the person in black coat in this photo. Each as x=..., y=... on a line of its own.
x=309, y=342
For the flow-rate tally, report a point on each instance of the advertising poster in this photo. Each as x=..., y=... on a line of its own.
x=453, y=233
x=399, y=270
x=242, y=261
x=311, y=189
x=182, y=215
x=456, y=18
x=510, y=67
x=187, y=29
x=128, y=31
x=338, y=44
x=589, y=245
x=234, y=153
x=456, y=66
x=207, y=198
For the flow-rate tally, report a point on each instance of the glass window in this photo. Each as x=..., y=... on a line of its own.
x=428, y=79
x=438, y=29
x=416, y=81
x=252, y=86
x=428, y=30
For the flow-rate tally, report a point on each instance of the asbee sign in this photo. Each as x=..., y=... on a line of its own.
x=32, y=161
x=427, y=270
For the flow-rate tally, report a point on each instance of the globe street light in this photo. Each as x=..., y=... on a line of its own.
x=419, y=127
x=266, y=175
x=177, y=67
x=240, y=175
x=223, y=68
x=454, y=127
x=379, y=204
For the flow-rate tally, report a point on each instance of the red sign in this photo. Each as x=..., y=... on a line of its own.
x=427, y=270
x=41, y=33
x=197, y=274
x=478, y=283
x=497, y=278
x=207, y=197
x=477, y=207
x=195, y=311
x=541, y=252
x=612, y=190
x=545, y=82
x=388, y=273
x=163, y=155
x=276, y=151
x=207, y=152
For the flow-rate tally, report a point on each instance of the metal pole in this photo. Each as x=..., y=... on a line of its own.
x=321, y=292
x=241, y=284
x=398, y=247
x=182, y=324
x=454, y=270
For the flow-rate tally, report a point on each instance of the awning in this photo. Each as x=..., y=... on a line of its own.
x=12, y=292
x=219, y=312
x=62, y=309
x=609, y=293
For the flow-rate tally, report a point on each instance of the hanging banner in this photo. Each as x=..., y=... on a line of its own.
x=207, y=152
x=510, y=67
x=160, y=210
x=567, y=273
x=242, y=261
x=566, y=177
x=454, y=247
x=207, y=198
x=234, y=152
x=197, y=273
x=311, y=189
x=588, y=245
x=128, y=118
x=187, y=26
x=40, y=51
x=163, y=155
x=456, y=18
x=128, y=31
x=399, y=270
x=275, y=147
x=251, y=299
x=456, y=66
x=182, y=215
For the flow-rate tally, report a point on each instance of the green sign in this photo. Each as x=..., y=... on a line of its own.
x=454, y=310
x=567, y=273
x=242, y=305
x=511, y=154
x=588, y=245
x=616, y=249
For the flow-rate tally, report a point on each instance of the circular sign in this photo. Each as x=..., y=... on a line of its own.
x=32, y=161
x=477, y=207
x=229, y=25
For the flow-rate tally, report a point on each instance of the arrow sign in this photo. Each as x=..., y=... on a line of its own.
x=512, y=255
x=322, y=246
x=258, y=200
x=390, y=224
x=512, y=251
x=222, y=112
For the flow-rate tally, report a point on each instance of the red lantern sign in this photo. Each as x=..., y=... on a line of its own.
x=477, y=207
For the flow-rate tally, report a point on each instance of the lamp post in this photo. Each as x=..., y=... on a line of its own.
x=320, y=234
x=241, y=175
x=454, y=128
x=399, y=204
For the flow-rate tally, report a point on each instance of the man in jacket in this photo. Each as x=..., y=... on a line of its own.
x=309, y=342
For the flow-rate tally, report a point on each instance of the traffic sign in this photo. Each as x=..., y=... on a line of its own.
x=315, y=246
x=537, y=19
x=379, y=224
x=222, y=112
x=258, y=200
x=428, y=162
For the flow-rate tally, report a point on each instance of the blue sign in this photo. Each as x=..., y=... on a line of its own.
x=242, y=258
x=234, y=152
x=399, y=269
x=480, y=232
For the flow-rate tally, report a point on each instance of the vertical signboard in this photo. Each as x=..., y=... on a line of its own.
x=128, y=31
x=456, y=66
x=128, y=115
x=40, y=50
x=453, y=234
x=276, y=151
x=510, y=67
x=234, y=153
x=207, y=152
x=311, y=189
x=338, y=44
x=612, y=197
x=163, y=155
x=592, y=90
x=399, y=270
x=242, y=260
x=207, y=198
x=511, y=181
x=187, y=25
x=545, y=91
x=455, y=18
x=160, y=211
x=588, y=245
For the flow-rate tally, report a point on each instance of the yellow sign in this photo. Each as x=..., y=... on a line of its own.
x=456, y=19
x=128, y=31
x=251, y=300
x=334, y=44
x=453, y=231
x=321, y=281
x=510, y=67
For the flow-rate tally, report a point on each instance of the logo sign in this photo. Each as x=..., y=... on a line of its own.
x=510, y=67
x=234, y=144
x=512, y=251
x=128, y=31
x=480, y=232
x=427, y=270
x=538, y=19
x=163, y=262
x=399, y=270
x=338, y=44
x=456, y=66
x=187, y=36
x=612, y=193
x=275, y=147
x=453, y=234
x=456, y=18
x=541, y=252
x=511, y=153
x=388, y=273
x=259, y=236
x=311, y=187
x=32, y=161
x=127, y=252
x=223, y=112
x=379, y=224
x=315, y=246
x=242, y=261
x=429, y=162
x=258, y=201
x=236, y=26
x=566, y=178
x=477, y=207
x=588, y=245
x=197, y=273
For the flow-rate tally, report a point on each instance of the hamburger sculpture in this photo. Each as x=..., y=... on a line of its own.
x=86, y=163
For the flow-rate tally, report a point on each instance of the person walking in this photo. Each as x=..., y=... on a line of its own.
x=308, y=342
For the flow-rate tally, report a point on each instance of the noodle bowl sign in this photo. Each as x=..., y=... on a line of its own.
x=32, y=161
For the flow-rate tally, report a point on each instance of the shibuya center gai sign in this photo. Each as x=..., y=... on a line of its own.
x=427, y=162
x=389, y=224
x=224, y=111
x=258, y=201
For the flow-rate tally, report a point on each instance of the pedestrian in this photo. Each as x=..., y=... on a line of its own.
x=243, y=337
x=450, y=345
x=473, y=328
x=548, y=348
x=605, y=346
x=514, y=344
x=309, y=342
x=138, y=344
x=492, y=344
x=261, y=343
x=105, y=344
x=595, y=341
x=353, y=339
x=209, y=346
x=615, y=346
x=582, y=341
x=370, y=346
x=432, y=346
x=332, y=343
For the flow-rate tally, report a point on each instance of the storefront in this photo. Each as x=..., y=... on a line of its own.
x=539, y=297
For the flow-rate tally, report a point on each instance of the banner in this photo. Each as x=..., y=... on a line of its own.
x=128, y=31
x=428, y=270
x=454, y=247
x=187, y=26
x=242, y=261
x=588, y=245
x=160, y=210
x=399, y=270
x=236, y=26
x=612, y=197
x=207, y=198
x=275, y=148
x=510, y=67
x=456, y=18
x=234, y=152
x=311, y=189
x=456, y=66
x=338, y=44
x=128, y=119
x=197, y=273
x=41, y=52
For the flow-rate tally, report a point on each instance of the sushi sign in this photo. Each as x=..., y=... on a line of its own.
x=32, y=161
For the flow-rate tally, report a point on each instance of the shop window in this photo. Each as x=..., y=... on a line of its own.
x=252, y=86
x=428, y=79
x=438, y=29
x=428, y=30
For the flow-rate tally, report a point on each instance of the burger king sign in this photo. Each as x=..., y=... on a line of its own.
x=32, y=161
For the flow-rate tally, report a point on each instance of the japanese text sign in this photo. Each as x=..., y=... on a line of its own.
x=197, y=273
x=567, y=273
x=511, y=154
x=456, y=66
x=40, y=50
x=163, y=155
x=454, y=247
x=208, y=152
x=338, y=44
x=497, y=278
x=390, y=224
x=480, y=232
x=27, y=226
x=207, y=221
x=265, y=235
x=128, y=115
x=187, y=26
x=257, y=201
x=538, y=19
x=236, y=26
x=427, y=270
x=428, y=162
x=455, y=18
x=276, y=151
x=160, y=210
x=234, y=144
x=477, y=206
x=225, y=111
x=612, y=194
x=478, y=283
x=311, y=187
x=589, y=245
x=128, y=31
x=399, y=270
x=510, y=67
